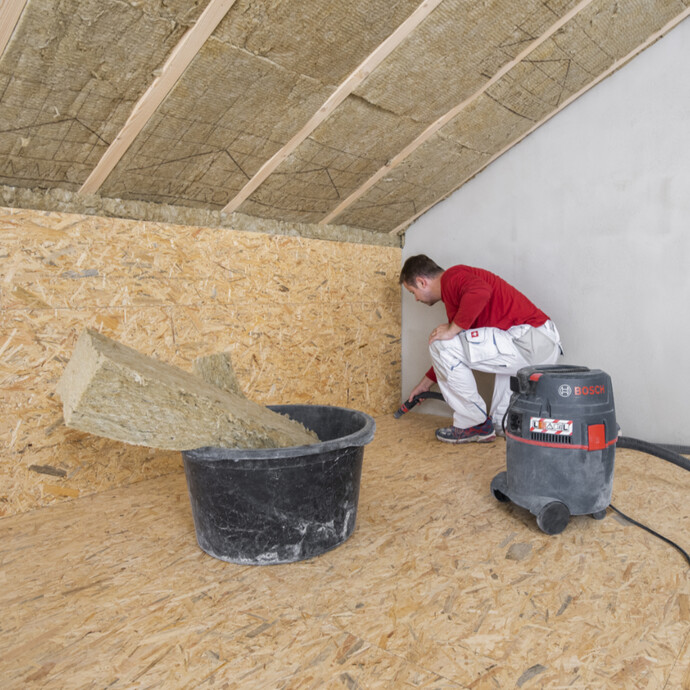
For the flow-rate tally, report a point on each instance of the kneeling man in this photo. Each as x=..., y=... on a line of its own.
x=491, y=327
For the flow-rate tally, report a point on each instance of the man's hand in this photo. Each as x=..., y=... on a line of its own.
x=445, y=331
x=422, y=387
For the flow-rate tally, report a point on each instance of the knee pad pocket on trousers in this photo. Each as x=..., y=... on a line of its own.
x=448, y=353
x=437, y=347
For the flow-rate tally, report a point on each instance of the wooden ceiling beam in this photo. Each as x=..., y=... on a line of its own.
x=336, y=98
x=445, y=119
x=178, y=61
x=614, y=67
x=10, y=11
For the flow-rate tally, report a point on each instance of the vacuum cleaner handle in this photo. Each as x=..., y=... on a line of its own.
x=420, y=397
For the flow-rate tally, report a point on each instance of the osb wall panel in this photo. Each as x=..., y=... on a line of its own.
x=306, y=321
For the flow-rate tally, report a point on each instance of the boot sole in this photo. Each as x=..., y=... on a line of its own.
x=489, y=438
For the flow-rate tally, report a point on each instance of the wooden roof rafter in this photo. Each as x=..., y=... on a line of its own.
x=614, y=67
x=10, y=11
x=450, y=115
x=180, y=58
x=360, y=73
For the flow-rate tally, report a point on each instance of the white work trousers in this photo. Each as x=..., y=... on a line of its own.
x=495, y=351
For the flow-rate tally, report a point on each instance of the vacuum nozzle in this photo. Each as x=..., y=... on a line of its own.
x=420, y=397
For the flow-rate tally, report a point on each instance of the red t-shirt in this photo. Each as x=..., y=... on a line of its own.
x=475, y=298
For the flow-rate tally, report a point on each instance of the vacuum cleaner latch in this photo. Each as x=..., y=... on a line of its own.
x=596, y=435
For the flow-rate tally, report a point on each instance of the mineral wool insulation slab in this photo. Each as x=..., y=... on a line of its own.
x=342, y=154
x=70, y=77
x=111, y=390
x=445, y=60
x=529, y=93
x=266, y=70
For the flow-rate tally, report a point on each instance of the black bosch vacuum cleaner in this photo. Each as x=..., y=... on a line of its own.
x=561, y=436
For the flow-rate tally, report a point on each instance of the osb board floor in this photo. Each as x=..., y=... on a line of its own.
x=440, y=586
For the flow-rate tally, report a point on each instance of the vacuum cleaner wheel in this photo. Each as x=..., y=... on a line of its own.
x=498, y=483
x=553, y=518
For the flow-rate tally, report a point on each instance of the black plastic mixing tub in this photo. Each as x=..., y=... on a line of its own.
x=280, y=505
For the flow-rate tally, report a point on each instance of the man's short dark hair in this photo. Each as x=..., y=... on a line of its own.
x=416, y=267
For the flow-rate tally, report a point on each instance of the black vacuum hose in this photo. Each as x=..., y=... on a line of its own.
x=653, y=449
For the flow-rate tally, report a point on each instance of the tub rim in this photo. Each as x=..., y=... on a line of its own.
x=358, y=438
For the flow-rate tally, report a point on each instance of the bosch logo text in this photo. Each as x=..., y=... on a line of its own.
x=590, y=390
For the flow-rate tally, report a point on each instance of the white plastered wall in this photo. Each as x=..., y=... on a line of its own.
x=589, y=216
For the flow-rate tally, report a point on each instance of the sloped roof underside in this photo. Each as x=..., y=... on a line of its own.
x=463, y=84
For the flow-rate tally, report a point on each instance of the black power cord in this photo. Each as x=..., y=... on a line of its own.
x=651, y=531
x=664, y=454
